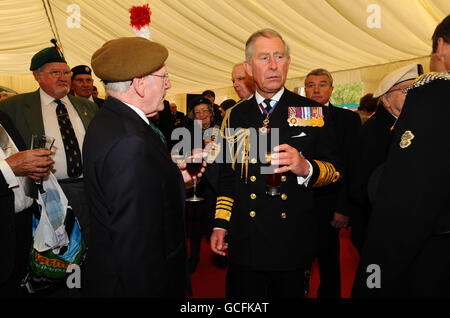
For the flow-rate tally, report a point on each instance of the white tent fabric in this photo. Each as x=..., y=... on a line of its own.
x=206, y=38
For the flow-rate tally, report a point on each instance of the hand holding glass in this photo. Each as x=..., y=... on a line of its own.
x=194, y=164
x=41, y=142
x=273, y=180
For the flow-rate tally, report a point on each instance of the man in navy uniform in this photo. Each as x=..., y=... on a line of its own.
x=271, y=239
x=406, y=253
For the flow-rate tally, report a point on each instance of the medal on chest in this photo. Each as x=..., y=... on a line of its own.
x=305, y=116
x=265, y=126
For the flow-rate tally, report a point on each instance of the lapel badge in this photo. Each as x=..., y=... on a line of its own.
x=406, y=139
x=85, y=112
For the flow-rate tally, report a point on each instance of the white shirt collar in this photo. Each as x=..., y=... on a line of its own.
x=46, y=99
x=276, y=97
x=139, y=112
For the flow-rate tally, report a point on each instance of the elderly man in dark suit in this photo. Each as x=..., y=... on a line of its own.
x=319, y=87
x=272, y=236
x=17, y=166
x=51, y=111
x=406, y=252
x=136, y=192
x=372, y=146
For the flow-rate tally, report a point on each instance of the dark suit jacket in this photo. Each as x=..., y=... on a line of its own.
x=136, y=193
x=411, y=211
x=279, y=234
x=370, y=152
x=9, y=229
x=346, y=129
x=99, y=101
x=26, y=113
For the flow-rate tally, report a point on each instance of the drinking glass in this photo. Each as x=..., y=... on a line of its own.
x=273, y=180
x=194, y=164
x=41, y=142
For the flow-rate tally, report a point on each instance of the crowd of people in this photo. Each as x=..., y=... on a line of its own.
x=281, y=175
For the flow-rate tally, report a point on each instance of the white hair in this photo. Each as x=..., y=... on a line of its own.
x=117, y=87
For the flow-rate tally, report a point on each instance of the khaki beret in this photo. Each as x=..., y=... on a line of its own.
x=125, y=58
x=405, y=73
x=47, y=55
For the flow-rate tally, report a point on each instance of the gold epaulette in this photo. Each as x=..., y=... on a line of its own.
x=223, y=208
x=241, y=137
x=429, y=77
x=327, y=174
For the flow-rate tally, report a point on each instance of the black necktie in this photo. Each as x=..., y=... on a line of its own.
x=73, y=154
x=267, y=107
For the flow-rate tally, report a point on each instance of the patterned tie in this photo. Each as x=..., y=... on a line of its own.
x=268, y=107
x=156, y=130
x=73, y=154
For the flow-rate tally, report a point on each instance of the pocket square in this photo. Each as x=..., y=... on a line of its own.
x=302, y=134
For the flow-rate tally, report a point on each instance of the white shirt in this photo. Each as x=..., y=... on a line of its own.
x=276, y=98
x=51, y=128
x=21, y=201
x=138, y=111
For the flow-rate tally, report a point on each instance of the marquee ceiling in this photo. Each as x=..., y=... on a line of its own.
x=206, y=38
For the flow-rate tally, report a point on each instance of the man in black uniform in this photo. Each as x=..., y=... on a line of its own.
x=319, y=87
x=372, y=147
x=406, y=253
x=271, y=238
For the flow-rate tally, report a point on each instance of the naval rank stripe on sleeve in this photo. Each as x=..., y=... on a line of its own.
x=327, y=174
x=223, y=208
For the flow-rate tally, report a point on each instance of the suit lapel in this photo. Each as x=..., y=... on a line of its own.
x=33, y=114
x=81, y=110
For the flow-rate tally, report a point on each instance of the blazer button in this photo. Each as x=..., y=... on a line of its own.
x=253, y=196
x=283, y=215
x=283, y=178
x=253, y=160
x=252, y=214
x=283, y=196
x=252, y=178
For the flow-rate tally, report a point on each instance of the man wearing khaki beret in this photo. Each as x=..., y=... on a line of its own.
x=136, y=192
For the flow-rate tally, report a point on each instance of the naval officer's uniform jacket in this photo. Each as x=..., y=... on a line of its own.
x=273, y=233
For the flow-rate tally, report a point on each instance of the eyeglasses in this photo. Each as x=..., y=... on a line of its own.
x=165, y=76
x=57, y=74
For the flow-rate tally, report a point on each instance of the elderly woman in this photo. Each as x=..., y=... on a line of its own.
x=201, y=109
x=200, y=214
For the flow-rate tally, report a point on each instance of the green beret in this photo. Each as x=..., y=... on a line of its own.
x=80, y=69
x=47, y=55
x=125, y=58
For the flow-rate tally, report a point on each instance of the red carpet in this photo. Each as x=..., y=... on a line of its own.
x=209, y=281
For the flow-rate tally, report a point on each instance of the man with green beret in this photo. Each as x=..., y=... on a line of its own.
x=51, y=111
x=136, y=193
x=83, y=84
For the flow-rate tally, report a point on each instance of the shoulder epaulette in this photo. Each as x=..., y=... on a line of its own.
x=429, y=77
